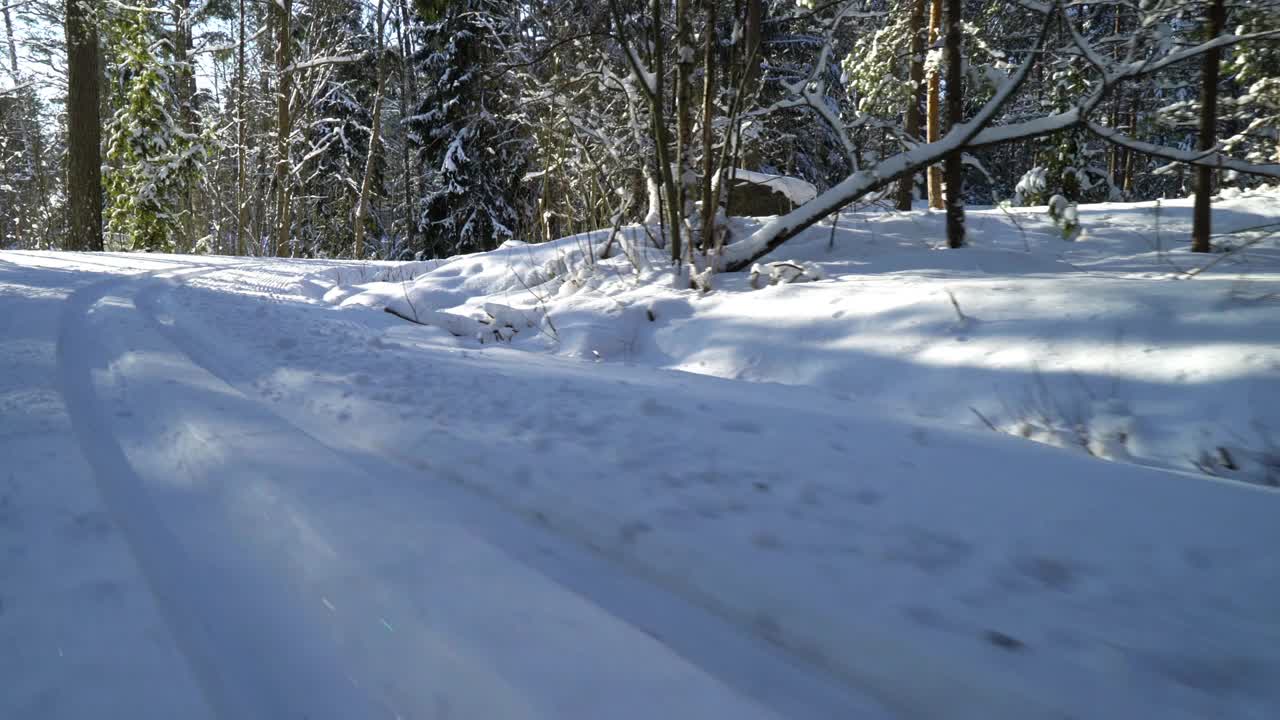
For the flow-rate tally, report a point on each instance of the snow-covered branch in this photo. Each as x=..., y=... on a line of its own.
x=738, y=256
x=978, y=132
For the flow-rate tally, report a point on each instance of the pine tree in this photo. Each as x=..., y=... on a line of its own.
x=470, y=149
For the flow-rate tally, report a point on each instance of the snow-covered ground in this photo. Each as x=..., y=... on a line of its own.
x=236, y=488
x=1104, y=344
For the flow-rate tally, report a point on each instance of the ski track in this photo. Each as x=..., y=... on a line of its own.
x=218, y=642
x=717, y=643
x=261, y=584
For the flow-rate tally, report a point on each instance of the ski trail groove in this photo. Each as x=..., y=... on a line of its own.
x=297, y=583
x=164, y=565
x=792, y=685
x=253, y=647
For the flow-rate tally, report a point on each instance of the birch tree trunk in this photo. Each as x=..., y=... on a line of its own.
x=13, y=46
x=283, y=11
x=934, y=131
x=375, y=134
x=906, y=187
x=408, y=102
x=240, y=137
x=185, y=85
x=23, y=132
x=684, y=108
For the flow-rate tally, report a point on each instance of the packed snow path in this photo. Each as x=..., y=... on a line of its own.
x=296, y=581
x=223, y=500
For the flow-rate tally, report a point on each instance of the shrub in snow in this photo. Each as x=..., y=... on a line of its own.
x=1065, y=215
x=1259, y=464
x=701, y=281
x=1030, y=188
x=1110, y=426
x=1102, y=427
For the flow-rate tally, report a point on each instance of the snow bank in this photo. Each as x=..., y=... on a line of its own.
x=1102, y=345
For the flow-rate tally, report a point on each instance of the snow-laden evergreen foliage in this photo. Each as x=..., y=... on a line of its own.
x=1254, y=112
x=468, y=146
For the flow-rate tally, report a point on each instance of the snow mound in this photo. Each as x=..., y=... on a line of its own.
x=794, y=189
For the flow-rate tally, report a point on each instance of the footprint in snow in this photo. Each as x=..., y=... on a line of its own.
x=653, y=408
x=1049, y=573
x=632, y=530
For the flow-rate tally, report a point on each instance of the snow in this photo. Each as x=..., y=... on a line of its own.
x=578, y=492
x=796, y=190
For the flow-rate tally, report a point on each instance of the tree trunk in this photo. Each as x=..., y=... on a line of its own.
x=13, y=46
x=21, y=121
x=241, y=216
x=955, y=115
x=906, y=187
x=1131, y=157
x=709, y=204
x=752, y=36
x=1201, y=219
x=934, y=106
x=84, y=129
x=662, y=137
x=408, y=101
x=752, y=32
x=185, y=85
x=375, y=134
x=283, y=10
x=1120, y=153
x=362, y=203
x=42, y=184
x=684, y=108
x=1115, y=153
x=261, y=232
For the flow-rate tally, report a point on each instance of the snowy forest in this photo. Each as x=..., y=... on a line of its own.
x=640, y=359
x=402, y=129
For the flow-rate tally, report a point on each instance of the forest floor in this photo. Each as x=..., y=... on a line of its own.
x=236, y=488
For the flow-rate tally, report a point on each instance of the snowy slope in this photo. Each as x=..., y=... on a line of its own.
x=307, y=505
